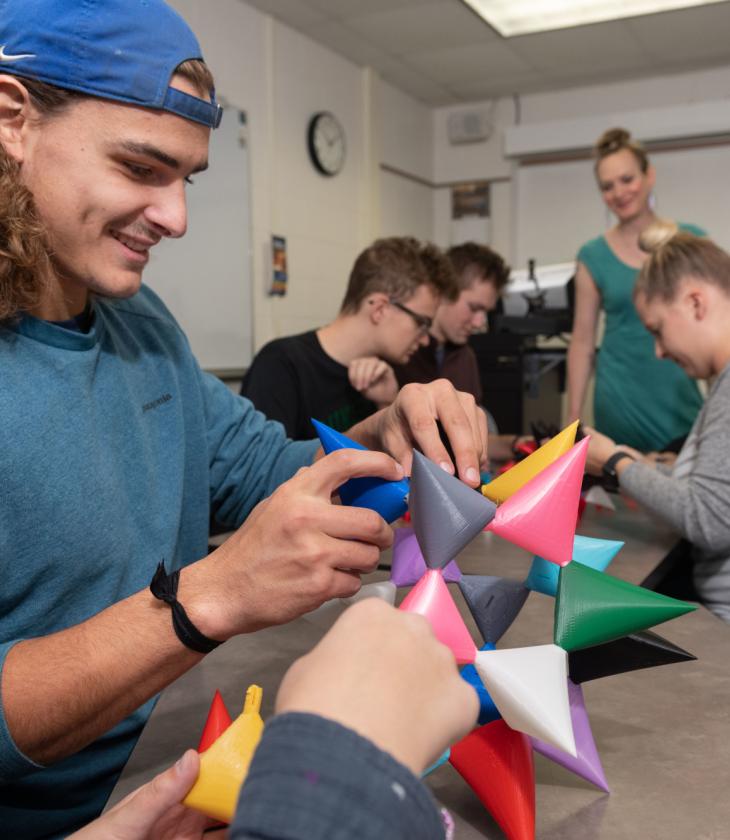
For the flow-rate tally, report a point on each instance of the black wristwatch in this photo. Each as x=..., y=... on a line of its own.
x=610, y=476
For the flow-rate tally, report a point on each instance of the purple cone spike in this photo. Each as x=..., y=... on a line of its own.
x=586, y=763
x=408, y=565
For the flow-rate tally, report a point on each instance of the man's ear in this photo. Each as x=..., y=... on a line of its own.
x=375, y=305
x=15, y=108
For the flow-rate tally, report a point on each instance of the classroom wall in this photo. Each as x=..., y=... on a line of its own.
x=691, y=184
x=400, y=165
x=280, y=78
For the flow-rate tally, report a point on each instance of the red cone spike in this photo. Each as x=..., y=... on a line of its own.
x=218, y=721
x=542, y=515
x=496, y=762
x=431, y=598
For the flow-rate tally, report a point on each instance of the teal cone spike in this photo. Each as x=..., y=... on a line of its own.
x=388, y=498
x=597, y=554
x=494, y=602
x=446, y=513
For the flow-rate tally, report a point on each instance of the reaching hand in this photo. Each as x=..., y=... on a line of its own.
x=153, y=811
x=295, y=551
x=383, y=673
x=411, y=421
x=374, y=378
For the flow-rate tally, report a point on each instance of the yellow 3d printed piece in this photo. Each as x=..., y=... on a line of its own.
x=510, y=482
x=224, y=765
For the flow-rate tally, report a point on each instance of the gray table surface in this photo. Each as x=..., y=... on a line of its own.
x=663, y=734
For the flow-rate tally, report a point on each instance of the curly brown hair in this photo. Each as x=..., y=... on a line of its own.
x=25, y=253
x=397, y=266
x=615, y=140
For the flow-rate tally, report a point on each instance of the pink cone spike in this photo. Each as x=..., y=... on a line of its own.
x=408, y=565
x=541, y=516
x=431, y=598
x=586, y=762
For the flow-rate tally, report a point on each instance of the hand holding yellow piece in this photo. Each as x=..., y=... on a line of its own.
x=224, y=765
x=510, y=482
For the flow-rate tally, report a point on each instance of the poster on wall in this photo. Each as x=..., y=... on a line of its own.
x=470, y=213
x=279, y=274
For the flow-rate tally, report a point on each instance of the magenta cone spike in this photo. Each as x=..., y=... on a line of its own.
x=541, y=516
x=586, y=763
x=408, y=565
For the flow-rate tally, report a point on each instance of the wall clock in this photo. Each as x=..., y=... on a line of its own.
x=326, y=143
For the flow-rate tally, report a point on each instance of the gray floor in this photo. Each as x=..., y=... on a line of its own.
x=663, y=734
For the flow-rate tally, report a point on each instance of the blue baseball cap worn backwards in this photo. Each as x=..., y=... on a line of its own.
x=124, y=50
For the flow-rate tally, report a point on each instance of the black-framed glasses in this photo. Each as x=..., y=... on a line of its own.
x=423, y=322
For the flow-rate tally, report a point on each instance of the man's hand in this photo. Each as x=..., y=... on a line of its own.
x=153, y=811
x=382, y=673
x=374, y=379
x=411, y=422
x=295, y=551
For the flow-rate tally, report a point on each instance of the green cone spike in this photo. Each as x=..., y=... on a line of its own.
x=592, y=608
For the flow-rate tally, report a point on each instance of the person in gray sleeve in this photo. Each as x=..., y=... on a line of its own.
x=683, y=297
x=357, y=721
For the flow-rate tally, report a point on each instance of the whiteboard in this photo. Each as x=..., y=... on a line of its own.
x=558, y=207
x=205, y=277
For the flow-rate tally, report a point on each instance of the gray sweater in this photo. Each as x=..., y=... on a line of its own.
x=694, y=497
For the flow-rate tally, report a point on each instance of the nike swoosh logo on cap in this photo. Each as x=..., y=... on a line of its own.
x=5, y=57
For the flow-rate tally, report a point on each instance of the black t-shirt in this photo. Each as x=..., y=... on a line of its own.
x=292, y=380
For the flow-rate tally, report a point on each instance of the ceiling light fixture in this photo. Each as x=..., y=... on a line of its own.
x=519, y=17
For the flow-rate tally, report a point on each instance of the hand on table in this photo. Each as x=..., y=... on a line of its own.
x=600, y=449
x=296, y=550
x=411, y=420
x=153, y=811
x=374, y=379
x=383, y=673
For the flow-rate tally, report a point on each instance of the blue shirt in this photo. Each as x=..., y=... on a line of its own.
x=116, y=450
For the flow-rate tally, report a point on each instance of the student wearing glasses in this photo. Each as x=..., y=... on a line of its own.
x=341, y=373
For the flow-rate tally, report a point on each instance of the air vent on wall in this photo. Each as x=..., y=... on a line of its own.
x=469, y=126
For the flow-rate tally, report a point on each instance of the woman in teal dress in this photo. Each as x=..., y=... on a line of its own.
x=639, y=400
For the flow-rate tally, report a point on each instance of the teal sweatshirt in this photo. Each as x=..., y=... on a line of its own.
x=116, y=451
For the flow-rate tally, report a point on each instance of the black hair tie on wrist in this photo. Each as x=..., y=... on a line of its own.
x=164, y=588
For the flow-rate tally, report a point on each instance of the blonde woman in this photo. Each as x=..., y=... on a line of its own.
x=683, y=298
x=640, y=400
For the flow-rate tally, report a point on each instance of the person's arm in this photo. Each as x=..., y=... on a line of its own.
x=582, y=350
x=61, y=691
x=374, y=379
x=411, y=421
x=358, y=720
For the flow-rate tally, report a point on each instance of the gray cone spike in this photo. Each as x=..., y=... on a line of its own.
x=494, y=602
x=446, y=513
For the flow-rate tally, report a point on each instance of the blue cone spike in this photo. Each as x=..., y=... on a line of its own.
x=444, y=757
x=446, y=513
x=597, y=554
x=388, y=498
x=487, y=710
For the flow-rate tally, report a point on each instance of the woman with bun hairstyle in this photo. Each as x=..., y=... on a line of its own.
x=640, y=400
x=683, y=298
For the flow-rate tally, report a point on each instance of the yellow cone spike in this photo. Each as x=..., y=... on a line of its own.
x=224, y=765
x=505, y=485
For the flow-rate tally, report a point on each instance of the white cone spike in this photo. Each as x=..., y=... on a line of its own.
x=326, y=615
x=529, y=688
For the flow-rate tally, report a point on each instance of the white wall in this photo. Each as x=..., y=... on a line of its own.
x=547, y=211
x=280, y=78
